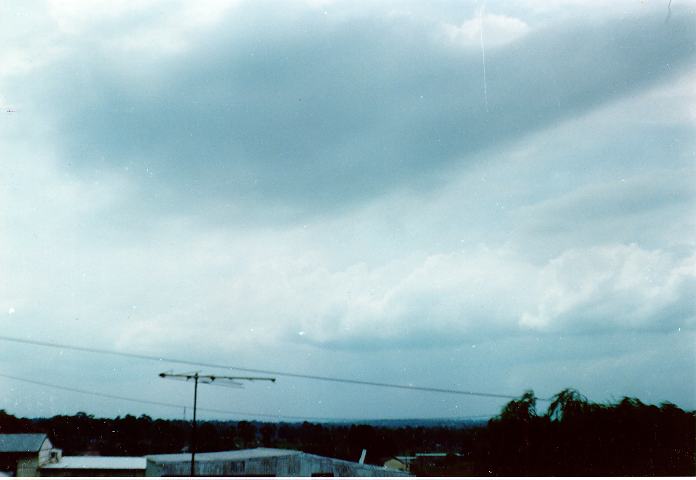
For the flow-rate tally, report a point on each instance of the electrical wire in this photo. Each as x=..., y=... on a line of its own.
x=156, y=358
x=202, y=409
x=89, y=392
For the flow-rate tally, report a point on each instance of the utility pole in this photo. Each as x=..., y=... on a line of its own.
x=222, y=380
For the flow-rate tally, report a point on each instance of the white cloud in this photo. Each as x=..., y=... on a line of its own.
x=458, y=297
x=497, y=30
x=177, y=283
x=487, y=293
x=138, y=26
x=77, y=16
x=615, y=287
x=172, y=32
x=455, y=294
x=16, y=62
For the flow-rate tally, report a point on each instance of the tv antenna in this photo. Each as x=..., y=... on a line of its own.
x=218, y=380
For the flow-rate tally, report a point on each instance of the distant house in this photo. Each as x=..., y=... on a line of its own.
x=21, y=454
x=402, y=463
x=273, y=462
x=432, y=463
x=33, y=455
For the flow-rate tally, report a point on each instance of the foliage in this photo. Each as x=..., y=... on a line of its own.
x=578, y=437
x=573, y=437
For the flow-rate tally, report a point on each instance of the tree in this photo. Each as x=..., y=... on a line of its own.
x=567, y=404
x=522, y=409
x=247, y=433
x=268, y=431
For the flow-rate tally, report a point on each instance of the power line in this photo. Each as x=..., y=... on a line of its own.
x=89, y=392
x=181, y=406
x=103, y=351
x=153, y=402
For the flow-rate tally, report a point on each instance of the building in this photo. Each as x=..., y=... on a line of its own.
x=33, y=455
x=420, y=462
x=262, y=462
x=433, y=464
x=95, y=467
x=21, y=454
x=402, y=462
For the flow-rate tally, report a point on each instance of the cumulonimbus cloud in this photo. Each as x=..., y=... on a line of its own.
x=469, y=296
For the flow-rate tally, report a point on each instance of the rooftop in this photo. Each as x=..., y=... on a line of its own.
x=405, y=458
x=21, y=442
x=98, y=463
x=222, y=456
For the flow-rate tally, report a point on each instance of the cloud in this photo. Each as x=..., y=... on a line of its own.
x=472, y=296
x=615, y=288
x=498, y=30
x=623, y=204
x=445, y=299
x=469, y=296
x=319, y=114
x=75, y=17
x=175, y=284
x=325, y=183
x=121, y=18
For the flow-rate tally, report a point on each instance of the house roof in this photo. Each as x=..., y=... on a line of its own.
x=98, y=463
x=228, y=455
x=242, y=455
x=21, y=442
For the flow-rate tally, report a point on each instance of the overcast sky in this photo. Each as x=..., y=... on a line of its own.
x=488, y=196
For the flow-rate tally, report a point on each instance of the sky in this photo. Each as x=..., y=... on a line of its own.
x=485, y=196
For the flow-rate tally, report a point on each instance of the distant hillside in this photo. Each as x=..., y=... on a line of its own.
x=420, y=422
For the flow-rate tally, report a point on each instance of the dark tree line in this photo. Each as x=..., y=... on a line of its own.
x=572, y=437
x=129, y=435
x=578, y=437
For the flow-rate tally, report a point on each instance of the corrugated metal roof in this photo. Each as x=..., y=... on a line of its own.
x=21, y=442
x=253, y=462
x=405, y=458
x=98, y=463
x=228, y=455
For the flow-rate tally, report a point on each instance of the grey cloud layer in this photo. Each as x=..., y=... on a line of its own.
x=158, y=187
x=316, y=113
